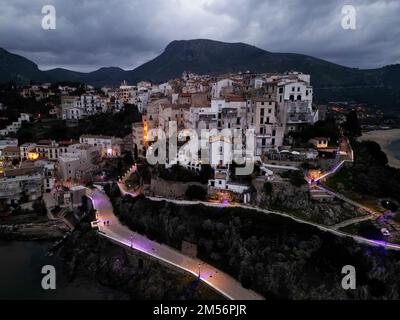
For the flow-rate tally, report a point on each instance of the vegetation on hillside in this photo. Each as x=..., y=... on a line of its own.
x=118, y=124
x=273, y=255
x=327, y=129
x=370, y=174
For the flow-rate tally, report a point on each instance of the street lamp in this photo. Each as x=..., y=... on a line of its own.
x=199, y=269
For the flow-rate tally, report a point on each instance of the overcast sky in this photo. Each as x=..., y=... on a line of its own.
x=125, y=33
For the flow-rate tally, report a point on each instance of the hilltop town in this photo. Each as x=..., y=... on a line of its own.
x=68, y=150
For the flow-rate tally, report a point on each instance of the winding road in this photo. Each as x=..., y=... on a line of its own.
x=111, y=228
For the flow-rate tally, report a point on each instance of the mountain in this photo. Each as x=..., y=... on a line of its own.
x=331, y=81
x=16, y=68
x=207, y=56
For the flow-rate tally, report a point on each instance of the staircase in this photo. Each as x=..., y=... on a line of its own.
x=319, y=194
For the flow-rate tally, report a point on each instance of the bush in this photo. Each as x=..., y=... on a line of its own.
x=268, y=188
x=39, y=207
x=196, y=192
x=295, y=177
x=179, y=173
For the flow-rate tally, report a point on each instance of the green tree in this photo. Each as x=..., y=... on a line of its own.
x=39, y=207
x=196, y=192
x=268, y=188
x=352, y=126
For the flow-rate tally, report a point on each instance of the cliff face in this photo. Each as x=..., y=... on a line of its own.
x=295, y=200
x=271, y=254
x=133, y=275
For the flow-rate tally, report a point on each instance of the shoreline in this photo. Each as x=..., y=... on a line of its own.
x=384, y=138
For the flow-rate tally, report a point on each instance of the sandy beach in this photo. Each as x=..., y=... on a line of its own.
x=384, y=138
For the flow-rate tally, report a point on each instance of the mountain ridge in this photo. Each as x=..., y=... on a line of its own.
x=206, y=56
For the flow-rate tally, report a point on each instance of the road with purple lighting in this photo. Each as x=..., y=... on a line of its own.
x=221, y=282
x=110, y=227
x=331, y=229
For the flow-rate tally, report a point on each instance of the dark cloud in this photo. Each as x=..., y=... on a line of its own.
x=125, y=33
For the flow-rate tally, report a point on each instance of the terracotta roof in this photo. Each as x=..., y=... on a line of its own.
x=11, y=149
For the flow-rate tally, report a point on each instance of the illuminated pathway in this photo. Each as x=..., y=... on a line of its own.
x=332, y=229
x=114, y=230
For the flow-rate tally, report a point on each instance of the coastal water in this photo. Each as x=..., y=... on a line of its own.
x=20, y=276
x=395, y=148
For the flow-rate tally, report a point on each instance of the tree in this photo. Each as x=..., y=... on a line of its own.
x=135, y=152
x=206, y=173
x=268, y=188
x=352, y=126
x=39, y=207
x=196, y=192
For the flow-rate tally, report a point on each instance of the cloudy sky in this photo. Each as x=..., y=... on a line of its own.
x=93, y=33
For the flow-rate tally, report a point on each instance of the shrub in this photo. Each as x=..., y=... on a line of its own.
x=196, y=192
x=268, y=188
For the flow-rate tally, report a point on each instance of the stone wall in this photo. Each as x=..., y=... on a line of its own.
x=297, y=201
x=169, y=189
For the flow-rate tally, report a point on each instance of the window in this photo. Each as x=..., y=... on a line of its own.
x=274, y=133
x=280, y=90
x=293, y=89
x=299, y=98
x=262, y=112
x=298, y=89
x=267, y=120
x=261, y=120
x=291, y=98
x=269, y=110
x=238, y=121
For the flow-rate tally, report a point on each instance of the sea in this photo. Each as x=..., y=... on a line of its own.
x=395, y=148
x=21, y=264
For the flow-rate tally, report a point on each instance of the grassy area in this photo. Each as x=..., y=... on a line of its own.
x=342, y=182
x=292, y=212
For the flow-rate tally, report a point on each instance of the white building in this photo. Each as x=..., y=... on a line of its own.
x=44, y=149
x=110, y=146
x=16, y=125
x=128, y=94
x=21, y=185
x=79, y=162
x=79, y=107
